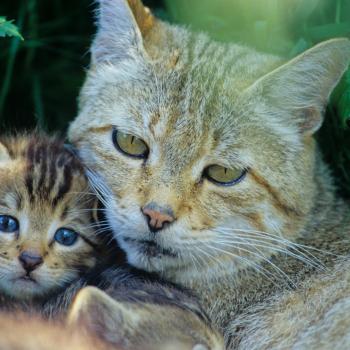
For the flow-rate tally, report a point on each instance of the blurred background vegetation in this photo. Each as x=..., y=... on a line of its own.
x=40, y=76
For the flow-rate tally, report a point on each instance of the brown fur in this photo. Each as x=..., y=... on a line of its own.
x=246, y=250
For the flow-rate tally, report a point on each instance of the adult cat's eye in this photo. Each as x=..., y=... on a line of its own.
x=66, y=236
x=130, y=145
x=8, y=224
x=224, y=176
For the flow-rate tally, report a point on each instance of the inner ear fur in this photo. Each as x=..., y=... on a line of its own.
x=121, y=28
x=98, y=314
x=143, y=16
x=4, y=154
x=301, y=87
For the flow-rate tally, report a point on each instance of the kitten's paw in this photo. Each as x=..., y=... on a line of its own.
x=138, y=325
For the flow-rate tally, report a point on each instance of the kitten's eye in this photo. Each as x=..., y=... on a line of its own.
x=130, y=145
x=224, y=176
x=65, y=236
x=8, y=224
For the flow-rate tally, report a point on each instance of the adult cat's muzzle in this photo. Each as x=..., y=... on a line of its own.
x=150, y=248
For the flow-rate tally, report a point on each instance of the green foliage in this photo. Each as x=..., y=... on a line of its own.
x=7, y=28
x=41, y=76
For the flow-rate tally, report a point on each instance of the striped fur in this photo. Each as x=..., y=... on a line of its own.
x=44, y=188
x=195, y=103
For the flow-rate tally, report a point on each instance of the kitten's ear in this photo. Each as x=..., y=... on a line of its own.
x=97, y=313
x=131, y=326
x=122, y=24
x=4, y=154
x=301, y=87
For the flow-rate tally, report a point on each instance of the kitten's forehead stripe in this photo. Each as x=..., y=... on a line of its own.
x=64, y=186
x=47, y=178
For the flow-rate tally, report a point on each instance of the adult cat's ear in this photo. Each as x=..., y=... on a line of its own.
x=300, y=89
x=4, y=154
x=122, y=24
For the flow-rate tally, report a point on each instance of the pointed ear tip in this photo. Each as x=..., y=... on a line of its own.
x=88, y=294
x=86, y=298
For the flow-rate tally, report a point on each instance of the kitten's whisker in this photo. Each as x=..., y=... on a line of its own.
x=87, y=210
x=97, y=224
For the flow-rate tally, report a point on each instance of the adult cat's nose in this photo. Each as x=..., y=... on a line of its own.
x=30, y=260
x=157, y=216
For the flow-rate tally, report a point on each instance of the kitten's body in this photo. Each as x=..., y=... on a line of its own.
x=252, y=250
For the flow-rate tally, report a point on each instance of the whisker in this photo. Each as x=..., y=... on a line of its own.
x=260, y=269
x=280, y=240
x=251, y=242
x=261, y=256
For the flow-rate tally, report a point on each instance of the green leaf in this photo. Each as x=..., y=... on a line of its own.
x=7, y=28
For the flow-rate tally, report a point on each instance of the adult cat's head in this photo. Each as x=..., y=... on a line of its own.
x=200, y=147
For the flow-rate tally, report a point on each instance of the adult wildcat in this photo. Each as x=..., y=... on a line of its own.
x=205, y=158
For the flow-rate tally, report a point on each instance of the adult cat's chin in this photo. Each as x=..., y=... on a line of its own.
x=149, y=255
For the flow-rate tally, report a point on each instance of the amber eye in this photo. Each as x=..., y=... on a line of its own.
x=130, y=145
x=224, y=176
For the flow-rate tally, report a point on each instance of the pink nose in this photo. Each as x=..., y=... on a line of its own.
x=157, y=216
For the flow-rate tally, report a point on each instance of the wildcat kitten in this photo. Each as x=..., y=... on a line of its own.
x=124, y=307
x=97, y=321
x=205, y=158
x=47, y=236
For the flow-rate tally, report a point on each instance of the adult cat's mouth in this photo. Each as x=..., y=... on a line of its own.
x=150, y=248
x=26, y=279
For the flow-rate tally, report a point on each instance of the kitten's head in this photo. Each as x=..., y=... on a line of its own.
x=47, y=237
x=141, y=319
x=202, y=146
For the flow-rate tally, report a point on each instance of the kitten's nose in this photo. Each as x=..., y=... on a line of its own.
x=157, y=216
x=30, y=260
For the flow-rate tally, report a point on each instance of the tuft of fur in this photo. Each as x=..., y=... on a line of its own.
x=196, y=103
